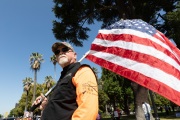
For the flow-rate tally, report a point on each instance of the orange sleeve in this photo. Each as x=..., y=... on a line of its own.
x=87, y=95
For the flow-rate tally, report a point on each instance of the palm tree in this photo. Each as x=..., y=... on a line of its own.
x=48, y=82
x=54, y=61
x=35, y=62
x=27, y=82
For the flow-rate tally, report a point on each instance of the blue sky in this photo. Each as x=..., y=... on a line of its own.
x=26, y=27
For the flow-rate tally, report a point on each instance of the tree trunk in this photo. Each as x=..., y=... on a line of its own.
x=140, y=95
x=35, y=81
x=26, y=101
x=154, y=106
x=126, y=105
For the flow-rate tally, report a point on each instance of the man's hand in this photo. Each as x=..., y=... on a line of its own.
x=41, y=99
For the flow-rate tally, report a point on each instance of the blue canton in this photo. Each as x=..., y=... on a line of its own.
x=135, y=24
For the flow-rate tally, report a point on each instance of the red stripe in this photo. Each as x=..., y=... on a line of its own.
x=138, y=40
x=139, y=57
x=139, y=78
x=171, y=45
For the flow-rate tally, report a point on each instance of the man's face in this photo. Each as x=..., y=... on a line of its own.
x=65, y=56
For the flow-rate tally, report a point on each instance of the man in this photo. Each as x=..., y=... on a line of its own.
x=147, y=109
x=75, y=96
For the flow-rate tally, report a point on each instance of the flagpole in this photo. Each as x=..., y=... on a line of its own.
x=84, y=56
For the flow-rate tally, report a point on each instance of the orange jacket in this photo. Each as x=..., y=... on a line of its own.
x=87, y=95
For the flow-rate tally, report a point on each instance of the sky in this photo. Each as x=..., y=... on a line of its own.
x=26, y=27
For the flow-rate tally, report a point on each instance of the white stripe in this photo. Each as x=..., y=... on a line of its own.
x=138, y=48
x=144, y=69
x=136, y=33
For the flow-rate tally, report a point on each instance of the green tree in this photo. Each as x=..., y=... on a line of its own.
x=103, y=100
x=103, y=97
x=114, y=84
x=54, y=61
x=48, y=82
x=81, y=13
x=19, y=109
x=35, y=62
x=27, y=83
x=111, y=86
x=171, y=24
x=127, y=94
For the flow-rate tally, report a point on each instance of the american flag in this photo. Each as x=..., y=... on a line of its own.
x=136, y=50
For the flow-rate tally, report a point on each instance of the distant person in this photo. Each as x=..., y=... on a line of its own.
x=161, y=109
x=116, y=115
x=119, y=112
x=75, y=96
x=147, y=109
x=166, y=109
x=99, y=116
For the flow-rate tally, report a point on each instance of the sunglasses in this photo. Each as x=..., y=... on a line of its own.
x=65, y=49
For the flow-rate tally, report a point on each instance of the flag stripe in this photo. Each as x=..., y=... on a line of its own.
x=137, y=38
x=147, y=70
x=162, y=87
x=151, y=51
x=139, y=57
x=159, y=40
